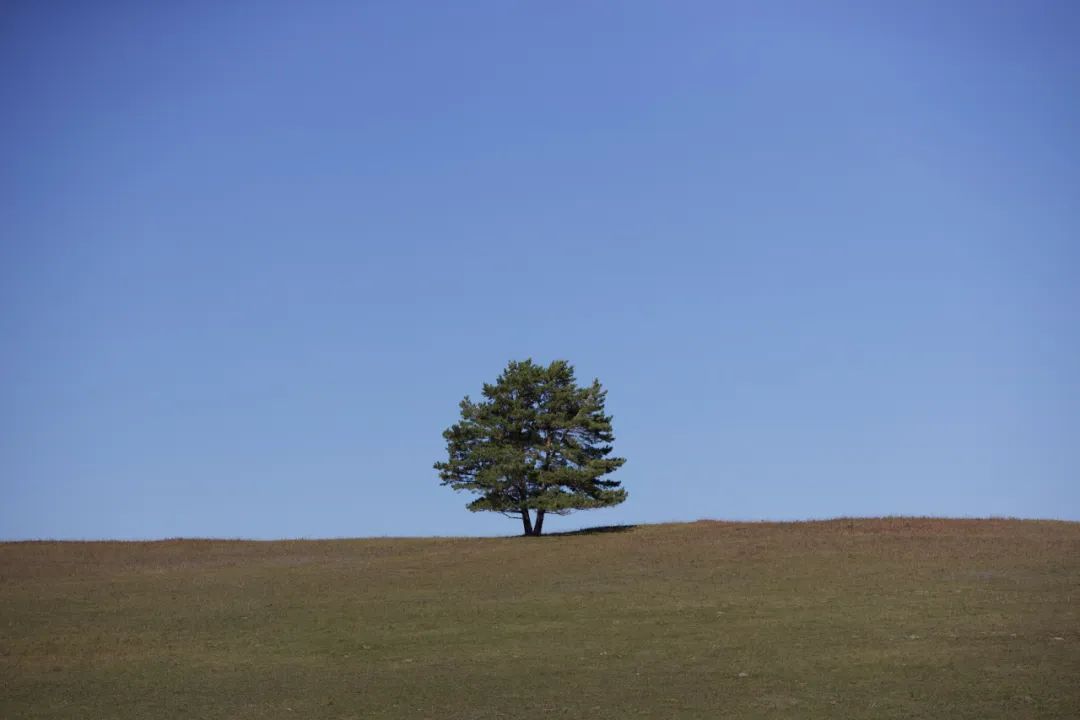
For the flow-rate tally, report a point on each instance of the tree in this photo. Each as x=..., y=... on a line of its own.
x=536, y=442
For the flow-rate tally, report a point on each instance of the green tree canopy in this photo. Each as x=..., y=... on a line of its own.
x=536, y=442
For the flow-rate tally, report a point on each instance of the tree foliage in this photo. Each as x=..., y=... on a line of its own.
x=537, y=441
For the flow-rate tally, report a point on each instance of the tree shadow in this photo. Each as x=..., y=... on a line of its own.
x=600, y=529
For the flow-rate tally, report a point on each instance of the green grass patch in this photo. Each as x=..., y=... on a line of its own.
x=889, y=618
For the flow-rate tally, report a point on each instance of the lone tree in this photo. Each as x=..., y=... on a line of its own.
x=536, y=441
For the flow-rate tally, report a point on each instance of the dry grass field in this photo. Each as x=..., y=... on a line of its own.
x=885, y=618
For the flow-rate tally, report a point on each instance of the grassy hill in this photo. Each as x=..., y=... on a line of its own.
x=889, y=618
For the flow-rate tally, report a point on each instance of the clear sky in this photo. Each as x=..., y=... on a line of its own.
x=824, y=256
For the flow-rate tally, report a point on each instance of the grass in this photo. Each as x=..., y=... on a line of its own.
x=883, y=618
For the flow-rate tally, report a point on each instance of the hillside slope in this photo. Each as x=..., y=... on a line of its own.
x=891, y=618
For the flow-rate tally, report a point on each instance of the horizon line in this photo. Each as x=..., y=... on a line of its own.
x=629, y=525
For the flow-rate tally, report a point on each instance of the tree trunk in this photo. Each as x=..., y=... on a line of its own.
x=539, y=526
x=526, y=521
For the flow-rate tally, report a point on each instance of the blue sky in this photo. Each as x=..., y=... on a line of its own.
x=824, y=256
